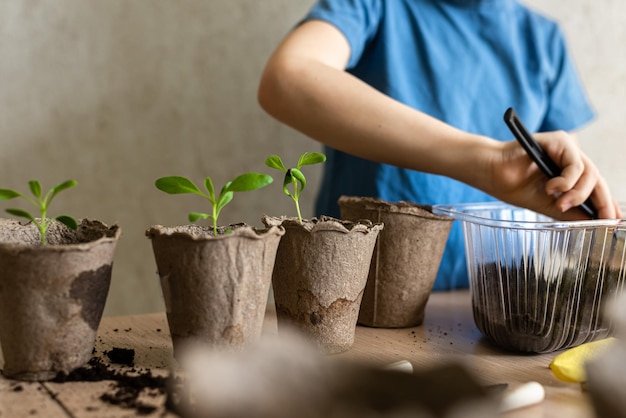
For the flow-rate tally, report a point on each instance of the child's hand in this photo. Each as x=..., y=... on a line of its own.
x=519, y=181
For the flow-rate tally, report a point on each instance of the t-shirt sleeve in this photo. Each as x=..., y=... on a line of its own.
x=358, y=20
x=568, y=105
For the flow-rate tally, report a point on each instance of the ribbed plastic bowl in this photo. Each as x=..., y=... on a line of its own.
x=539, y=285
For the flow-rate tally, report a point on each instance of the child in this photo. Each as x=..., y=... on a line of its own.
x=408, y=97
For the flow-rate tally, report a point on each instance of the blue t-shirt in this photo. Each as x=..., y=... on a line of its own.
x=464, y=62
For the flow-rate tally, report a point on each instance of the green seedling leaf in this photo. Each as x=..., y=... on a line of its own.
x=177, y=185
x=223, y=200
x=293, y=176
x=299, y=177
x=21, y=214
x=6, y=194
x=67, y=221
x=249, y=181
x=208, y=185
x=35, y=188
x=59, y=188
x=194, y=216
x=225, y=188
x=274, y=161
x=242, y=183
x=41, y=203
x=310, y=158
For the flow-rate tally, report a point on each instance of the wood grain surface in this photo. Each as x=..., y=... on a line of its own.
x=447, y=335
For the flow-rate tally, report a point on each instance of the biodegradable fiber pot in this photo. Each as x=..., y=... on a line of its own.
x=215, y=287
x=405, y=261
x=52, y=297
x=319, y=277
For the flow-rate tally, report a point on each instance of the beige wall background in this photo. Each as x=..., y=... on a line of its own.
x=118, y=93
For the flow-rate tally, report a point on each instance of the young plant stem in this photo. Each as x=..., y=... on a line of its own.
x=295, y=188
x=214, y=218
x=42, y=224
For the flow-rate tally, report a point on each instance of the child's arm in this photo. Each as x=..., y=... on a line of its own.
x=304, y=85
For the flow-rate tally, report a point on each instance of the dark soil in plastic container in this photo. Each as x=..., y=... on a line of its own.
x=520, y=308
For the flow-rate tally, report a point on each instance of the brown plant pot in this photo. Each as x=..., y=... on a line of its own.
x=319, y=277
x=405, y=261
x=52, y=297
x=215, y=287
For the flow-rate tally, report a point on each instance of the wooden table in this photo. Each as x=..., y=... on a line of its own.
x=448, y=334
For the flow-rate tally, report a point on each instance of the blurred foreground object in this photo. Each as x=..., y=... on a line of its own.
x=606, y=373
x=285, y=377
x=530, y=393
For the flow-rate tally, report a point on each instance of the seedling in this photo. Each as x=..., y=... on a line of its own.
x=243, y=183
x=294, y=176
x=41, y=203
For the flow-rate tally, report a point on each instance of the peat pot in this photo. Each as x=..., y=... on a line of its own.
x=52, y=297
x=215, y=287
x=319, y=277
x=405, y=261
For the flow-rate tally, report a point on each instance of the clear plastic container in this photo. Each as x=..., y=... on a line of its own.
x=539, y=285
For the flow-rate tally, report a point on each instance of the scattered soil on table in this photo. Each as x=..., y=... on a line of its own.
x=127, y=385
x=125, y=356
x=16, y=387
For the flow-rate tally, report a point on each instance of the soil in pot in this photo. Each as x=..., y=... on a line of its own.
x=215, y=287
x=405, y=261
x=52, y=297
x=319, y=276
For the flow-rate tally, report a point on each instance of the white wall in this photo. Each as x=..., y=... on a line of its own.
x=117, y=93
x=597, y=38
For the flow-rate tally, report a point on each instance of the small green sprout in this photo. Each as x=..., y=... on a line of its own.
x=41, y=203
x=294, y=175
x=243, y=183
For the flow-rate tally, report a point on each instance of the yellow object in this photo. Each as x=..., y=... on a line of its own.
x=569, y=366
